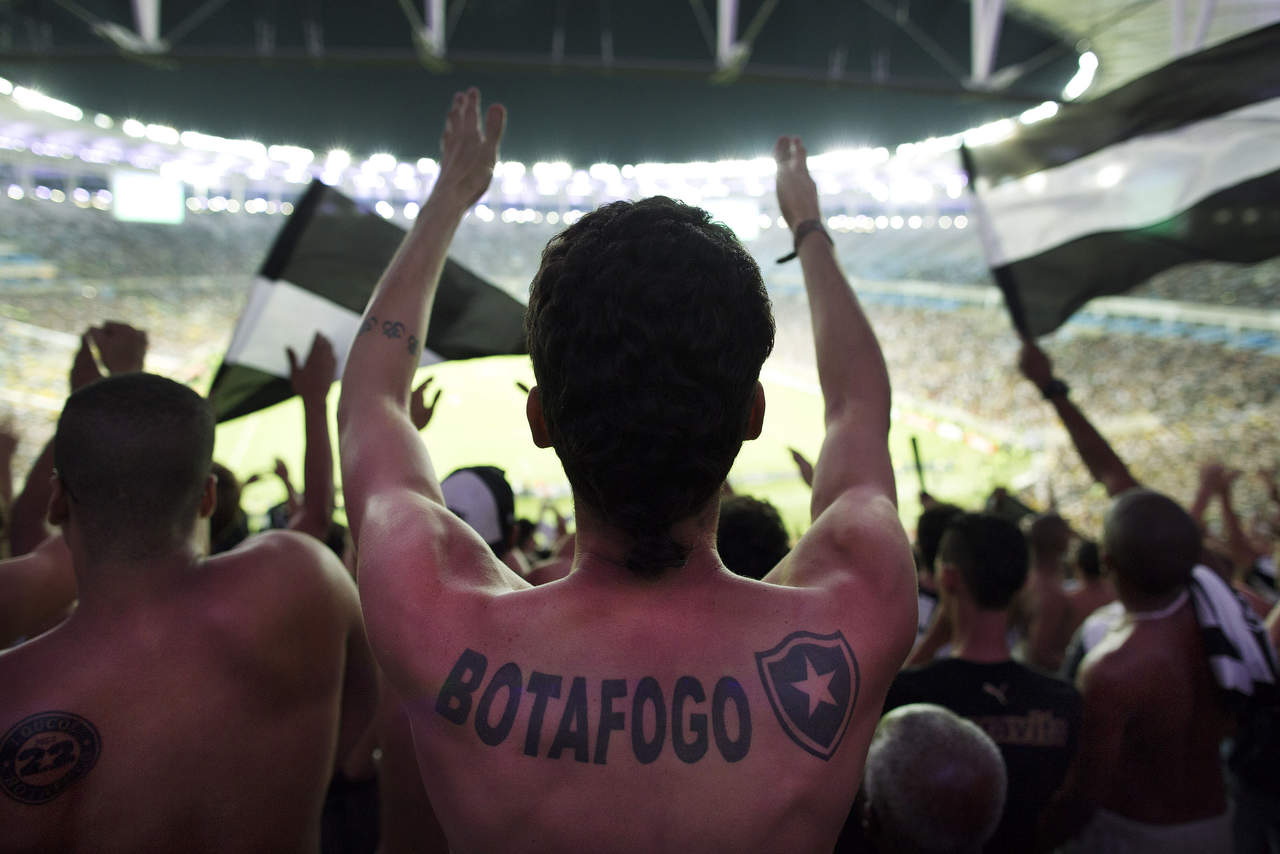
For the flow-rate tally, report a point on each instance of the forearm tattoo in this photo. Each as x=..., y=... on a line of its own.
x=43, y=754
x=811, y=681
x=392, y=329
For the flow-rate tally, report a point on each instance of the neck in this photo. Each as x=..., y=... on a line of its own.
x=979, y=635
x=110, y=581
x=600, y=551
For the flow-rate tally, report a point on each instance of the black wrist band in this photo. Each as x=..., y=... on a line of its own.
x=803, y=230
x=1055, y=388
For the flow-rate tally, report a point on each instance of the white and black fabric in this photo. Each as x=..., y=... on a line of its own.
x=318, y=278
x=1180, y=165
x=1240, y=653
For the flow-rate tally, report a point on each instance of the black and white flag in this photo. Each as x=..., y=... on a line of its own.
x=318, y=278
x=1180, y=165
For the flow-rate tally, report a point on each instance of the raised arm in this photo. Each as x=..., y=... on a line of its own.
x=856, y=535
x=1103, y=463
x=311, y=380
x=412, y=550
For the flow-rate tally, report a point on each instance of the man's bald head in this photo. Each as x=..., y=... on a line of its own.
x=935, y=782
x=1150, y=542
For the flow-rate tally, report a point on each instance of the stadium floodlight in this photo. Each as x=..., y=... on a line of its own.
x=286, y=208
x=163, y=134
x=1039, y=113
x=57, y=195
x=411, y=210
x=961, y=221
x=30, y=99
x=427, y=166
x=1083, y=79
x=381, y=162
x=336, y=160
x=294, y=155
x=484, y=213
x=104, y=121
x=6, y=88
x=15, y=192
x=990, y=133
x=384, y=209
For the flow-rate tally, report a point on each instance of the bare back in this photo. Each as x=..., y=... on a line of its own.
x=1162, y=709
x=716, y=715
x=203, y=719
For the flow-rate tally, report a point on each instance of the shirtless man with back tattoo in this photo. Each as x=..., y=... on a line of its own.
x=651, y=700
x=188, y=704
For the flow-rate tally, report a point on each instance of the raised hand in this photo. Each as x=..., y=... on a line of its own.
x=802, y=463
x=797, y=194
x=84, y=367
x=311, y=379
x=122, y=347
x=419, y=412
x=468, y=151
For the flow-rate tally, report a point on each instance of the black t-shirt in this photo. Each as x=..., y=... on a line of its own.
x=1032, y=717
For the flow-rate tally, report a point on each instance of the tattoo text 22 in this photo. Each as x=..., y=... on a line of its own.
x=43, y=754
x=392, y=329
x=652, y=714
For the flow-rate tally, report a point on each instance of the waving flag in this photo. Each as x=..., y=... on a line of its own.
x=1180, y=165
x=318, y=277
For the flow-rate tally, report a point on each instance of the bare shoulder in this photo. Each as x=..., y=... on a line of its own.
x=858, y=552
x=287, y=561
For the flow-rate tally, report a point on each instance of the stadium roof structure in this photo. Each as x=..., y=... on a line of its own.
x=590, y=80
x=587, y=80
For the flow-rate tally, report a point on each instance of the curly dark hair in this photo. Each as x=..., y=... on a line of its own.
x=647, y=325
x=751, y=538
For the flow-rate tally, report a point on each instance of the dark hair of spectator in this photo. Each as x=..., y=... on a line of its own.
x=133, y=453
x=1087, y=560
x=647, y=325
x=1049, y=536
x=991, y=555
x=1150, y=542
x=751, y=538
x=929, y=528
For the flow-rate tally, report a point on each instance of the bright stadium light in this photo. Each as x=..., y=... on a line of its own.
x=15, y=192
x=411, y=210
x=1083, y=78
x=1039, y=113
x=163, y=134
x=6, y=88
x=30, y=99
x=990, y=133
x=103, y=121
x=384, y=209
x=381, y=162
x=336, y=160
x=294, y=155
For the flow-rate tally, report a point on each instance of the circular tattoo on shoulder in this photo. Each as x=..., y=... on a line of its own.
x=43, y=754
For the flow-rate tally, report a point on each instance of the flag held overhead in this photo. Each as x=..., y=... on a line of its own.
x=1177, y=166
x=318, y=277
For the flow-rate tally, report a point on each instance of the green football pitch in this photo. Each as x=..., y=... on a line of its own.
x=480, y=420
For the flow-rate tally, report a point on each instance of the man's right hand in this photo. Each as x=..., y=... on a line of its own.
x=797, y=194
x=123, y=348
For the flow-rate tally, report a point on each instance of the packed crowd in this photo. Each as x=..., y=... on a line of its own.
x=1095, y=675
